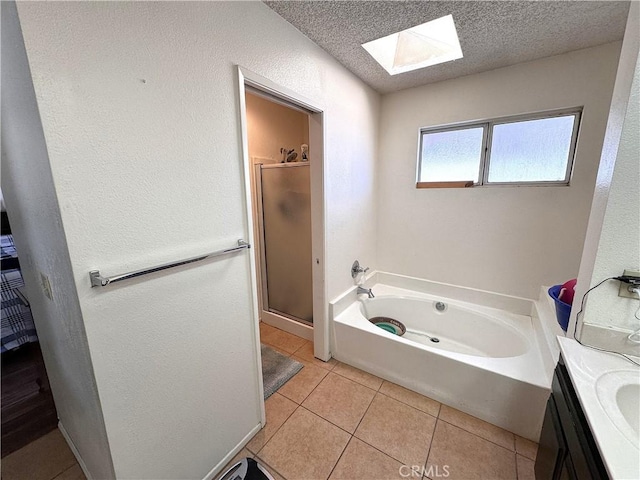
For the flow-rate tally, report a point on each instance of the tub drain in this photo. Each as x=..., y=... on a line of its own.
x=391, y=325
x=423, y=334
x=440, y=306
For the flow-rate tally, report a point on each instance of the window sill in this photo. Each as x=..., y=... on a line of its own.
x=463, y=184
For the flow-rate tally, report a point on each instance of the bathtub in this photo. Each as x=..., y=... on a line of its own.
x=485, y=361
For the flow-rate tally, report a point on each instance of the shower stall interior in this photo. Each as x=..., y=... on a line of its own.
x=283, y=194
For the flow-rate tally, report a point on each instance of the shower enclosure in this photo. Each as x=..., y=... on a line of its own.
x=284, y=216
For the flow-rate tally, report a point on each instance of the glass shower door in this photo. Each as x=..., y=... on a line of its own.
x=286, y=222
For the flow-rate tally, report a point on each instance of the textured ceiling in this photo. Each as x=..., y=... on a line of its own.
x=492, y=34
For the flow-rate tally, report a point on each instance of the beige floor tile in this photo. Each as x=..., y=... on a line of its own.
x=397, y=429
x=278, y=409
x=468, y=456
x=303, y=382
x=341, y=401
x=73, y=473
x=357, y=375
x=265, y=328
x=363, y=462
x=426, y=404
x=525, y=468
x=526, y=448
x=305, y=352
x=241, y=454
x=265, y=331
x=277, y=349
x=280, y=339
x=305, y=447
x=42, y=459
x=479, y=427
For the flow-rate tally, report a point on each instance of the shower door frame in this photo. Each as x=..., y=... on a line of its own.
x=263, y=292
x=317, y=166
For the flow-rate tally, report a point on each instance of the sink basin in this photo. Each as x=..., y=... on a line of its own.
x=619, y=394
x=628, y=400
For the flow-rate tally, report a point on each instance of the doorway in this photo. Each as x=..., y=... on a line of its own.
x=278, y=137
x=275, y=182
x=28, y=410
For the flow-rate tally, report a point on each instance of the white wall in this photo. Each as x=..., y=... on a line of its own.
x=619, y=247
x=148, y=172
x=509, y=240
x=613, y=237
x=34, y=214
x=271, y=126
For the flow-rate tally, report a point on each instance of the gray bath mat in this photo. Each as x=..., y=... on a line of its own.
x=276, y=369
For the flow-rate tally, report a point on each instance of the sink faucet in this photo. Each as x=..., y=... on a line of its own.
x=366, y=291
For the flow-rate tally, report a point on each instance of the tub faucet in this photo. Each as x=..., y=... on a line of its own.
x=367, y=291
x=356, y=269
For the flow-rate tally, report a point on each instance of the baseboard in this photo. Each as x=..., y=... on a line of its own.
x=229, y=456
x=210, y=476
x=74, y=450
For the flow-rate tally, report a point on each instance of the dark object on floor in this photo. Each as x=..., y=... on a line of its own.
x=28, y=411
x=246, y=469
x=276, y=369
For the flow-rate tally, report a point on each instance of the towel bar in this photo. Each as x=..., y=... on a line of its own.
x=98, y=280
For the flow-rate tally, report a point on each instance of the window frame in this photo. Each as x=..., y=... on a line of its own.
x=485, y=149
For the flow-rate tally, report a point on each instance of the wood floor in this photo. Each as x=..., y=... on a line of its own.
x=28, y=411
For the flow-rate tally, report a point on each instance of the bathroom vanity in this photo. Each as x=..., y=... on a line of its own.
x=590, y=429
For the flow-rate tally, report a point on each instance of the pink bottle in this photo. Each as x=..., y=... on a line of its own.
x=567, y=291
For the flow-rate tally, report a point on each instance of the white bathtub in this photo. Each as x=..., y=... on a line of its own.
x=487, y=361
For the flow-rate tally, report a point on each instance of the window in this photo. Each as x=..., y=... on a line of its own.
x=532, y=150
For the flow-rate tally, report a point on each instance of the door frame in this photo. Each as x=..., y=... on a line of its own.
x=318, y=202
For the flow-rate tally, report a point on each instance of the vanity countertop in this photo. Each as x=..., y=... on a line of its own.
x=608, y=387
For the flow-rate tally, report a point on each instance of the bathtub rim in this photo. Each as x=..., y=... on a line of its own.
x=474, y=296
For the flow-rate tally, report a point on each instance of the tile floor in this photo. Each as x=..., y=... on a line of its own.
x=333, y=421
x=47, y=458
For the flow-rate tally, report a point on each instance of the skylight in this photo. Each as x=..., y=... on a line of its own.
x=417, y=47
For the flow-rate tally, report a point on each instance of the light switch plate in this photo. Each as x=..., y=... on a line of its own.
x=46, y=286
x=624, y=287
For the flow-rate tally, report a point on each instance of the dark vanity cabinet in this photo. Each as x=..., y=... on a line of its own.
x=567, y=448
